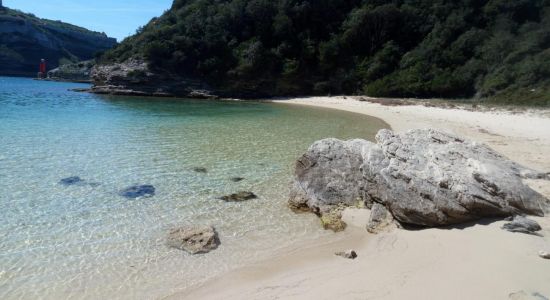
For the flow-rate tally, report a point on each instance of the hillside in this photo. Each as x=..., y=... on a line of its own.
x=25, y=39
x=489, y=49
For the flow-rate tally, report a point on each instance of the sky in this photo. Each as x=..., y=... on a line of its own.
x=117, y=18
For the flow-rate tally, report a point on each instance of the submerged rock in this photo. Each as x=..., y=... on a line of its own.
x=138, y=191
x=194, y=239
x=349, y=254
x=544, y=254
x=75, y=180
x=200, y=170
x=522, y=225
x=236, y=179
x=422, y=177
x=71, y=181
x=239, y=197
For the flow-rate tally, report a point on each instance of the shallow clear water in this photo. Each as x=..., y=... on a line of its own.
x=87, y=242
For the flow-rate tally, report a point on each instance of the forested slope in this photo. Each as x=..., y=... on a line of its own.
x=497, y=49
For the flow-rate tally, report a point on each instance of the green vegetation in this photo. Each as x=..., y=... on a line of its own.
x=493, y=49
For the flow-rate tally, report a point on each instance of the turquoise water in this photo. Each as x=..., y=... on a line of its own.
x=87, y=242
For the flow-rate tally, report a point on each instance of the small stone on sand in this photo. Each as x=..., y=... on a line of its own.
x=350, y=254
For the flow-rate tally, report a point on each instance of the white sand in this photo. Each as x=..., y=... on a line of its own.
x=470, y=262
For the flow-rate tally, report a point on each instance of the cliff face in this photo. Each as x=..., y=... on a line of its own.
x=25, y=39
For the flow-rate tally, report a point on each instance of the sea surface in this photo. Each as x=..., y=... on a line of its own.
x=85, y=241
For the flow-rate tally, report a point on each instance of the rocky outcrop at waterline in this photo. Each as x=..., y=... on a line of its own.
x=134, y=78
x=73, y=72
x=421, y=177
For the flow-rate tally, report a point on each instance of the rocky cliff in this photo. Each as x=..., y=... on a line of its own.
x=25, y=39
x=135, y=77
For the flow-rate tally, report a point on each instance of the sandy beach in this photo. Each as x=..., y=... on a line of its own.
x=472, y=261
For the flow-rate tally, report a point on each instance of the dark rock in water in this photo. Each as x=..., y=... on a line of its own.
x=194, y=239
x=237, y=179
x=522, y=225
x=75, y=180
x=350, y=254
x=239, y=197
x=138, y=191
x=200, y=170
x=422, y=177
x=71, y=181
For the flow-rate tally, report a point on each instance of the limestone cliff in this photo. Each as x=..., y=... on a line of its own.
x=25, y=39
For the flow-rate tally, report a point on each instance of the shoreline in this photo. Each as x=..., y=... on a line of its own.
x=500, y=129
x=476, y=261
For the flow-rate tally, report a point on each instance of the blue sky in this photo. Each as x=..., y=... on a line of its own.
x=117, y=18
